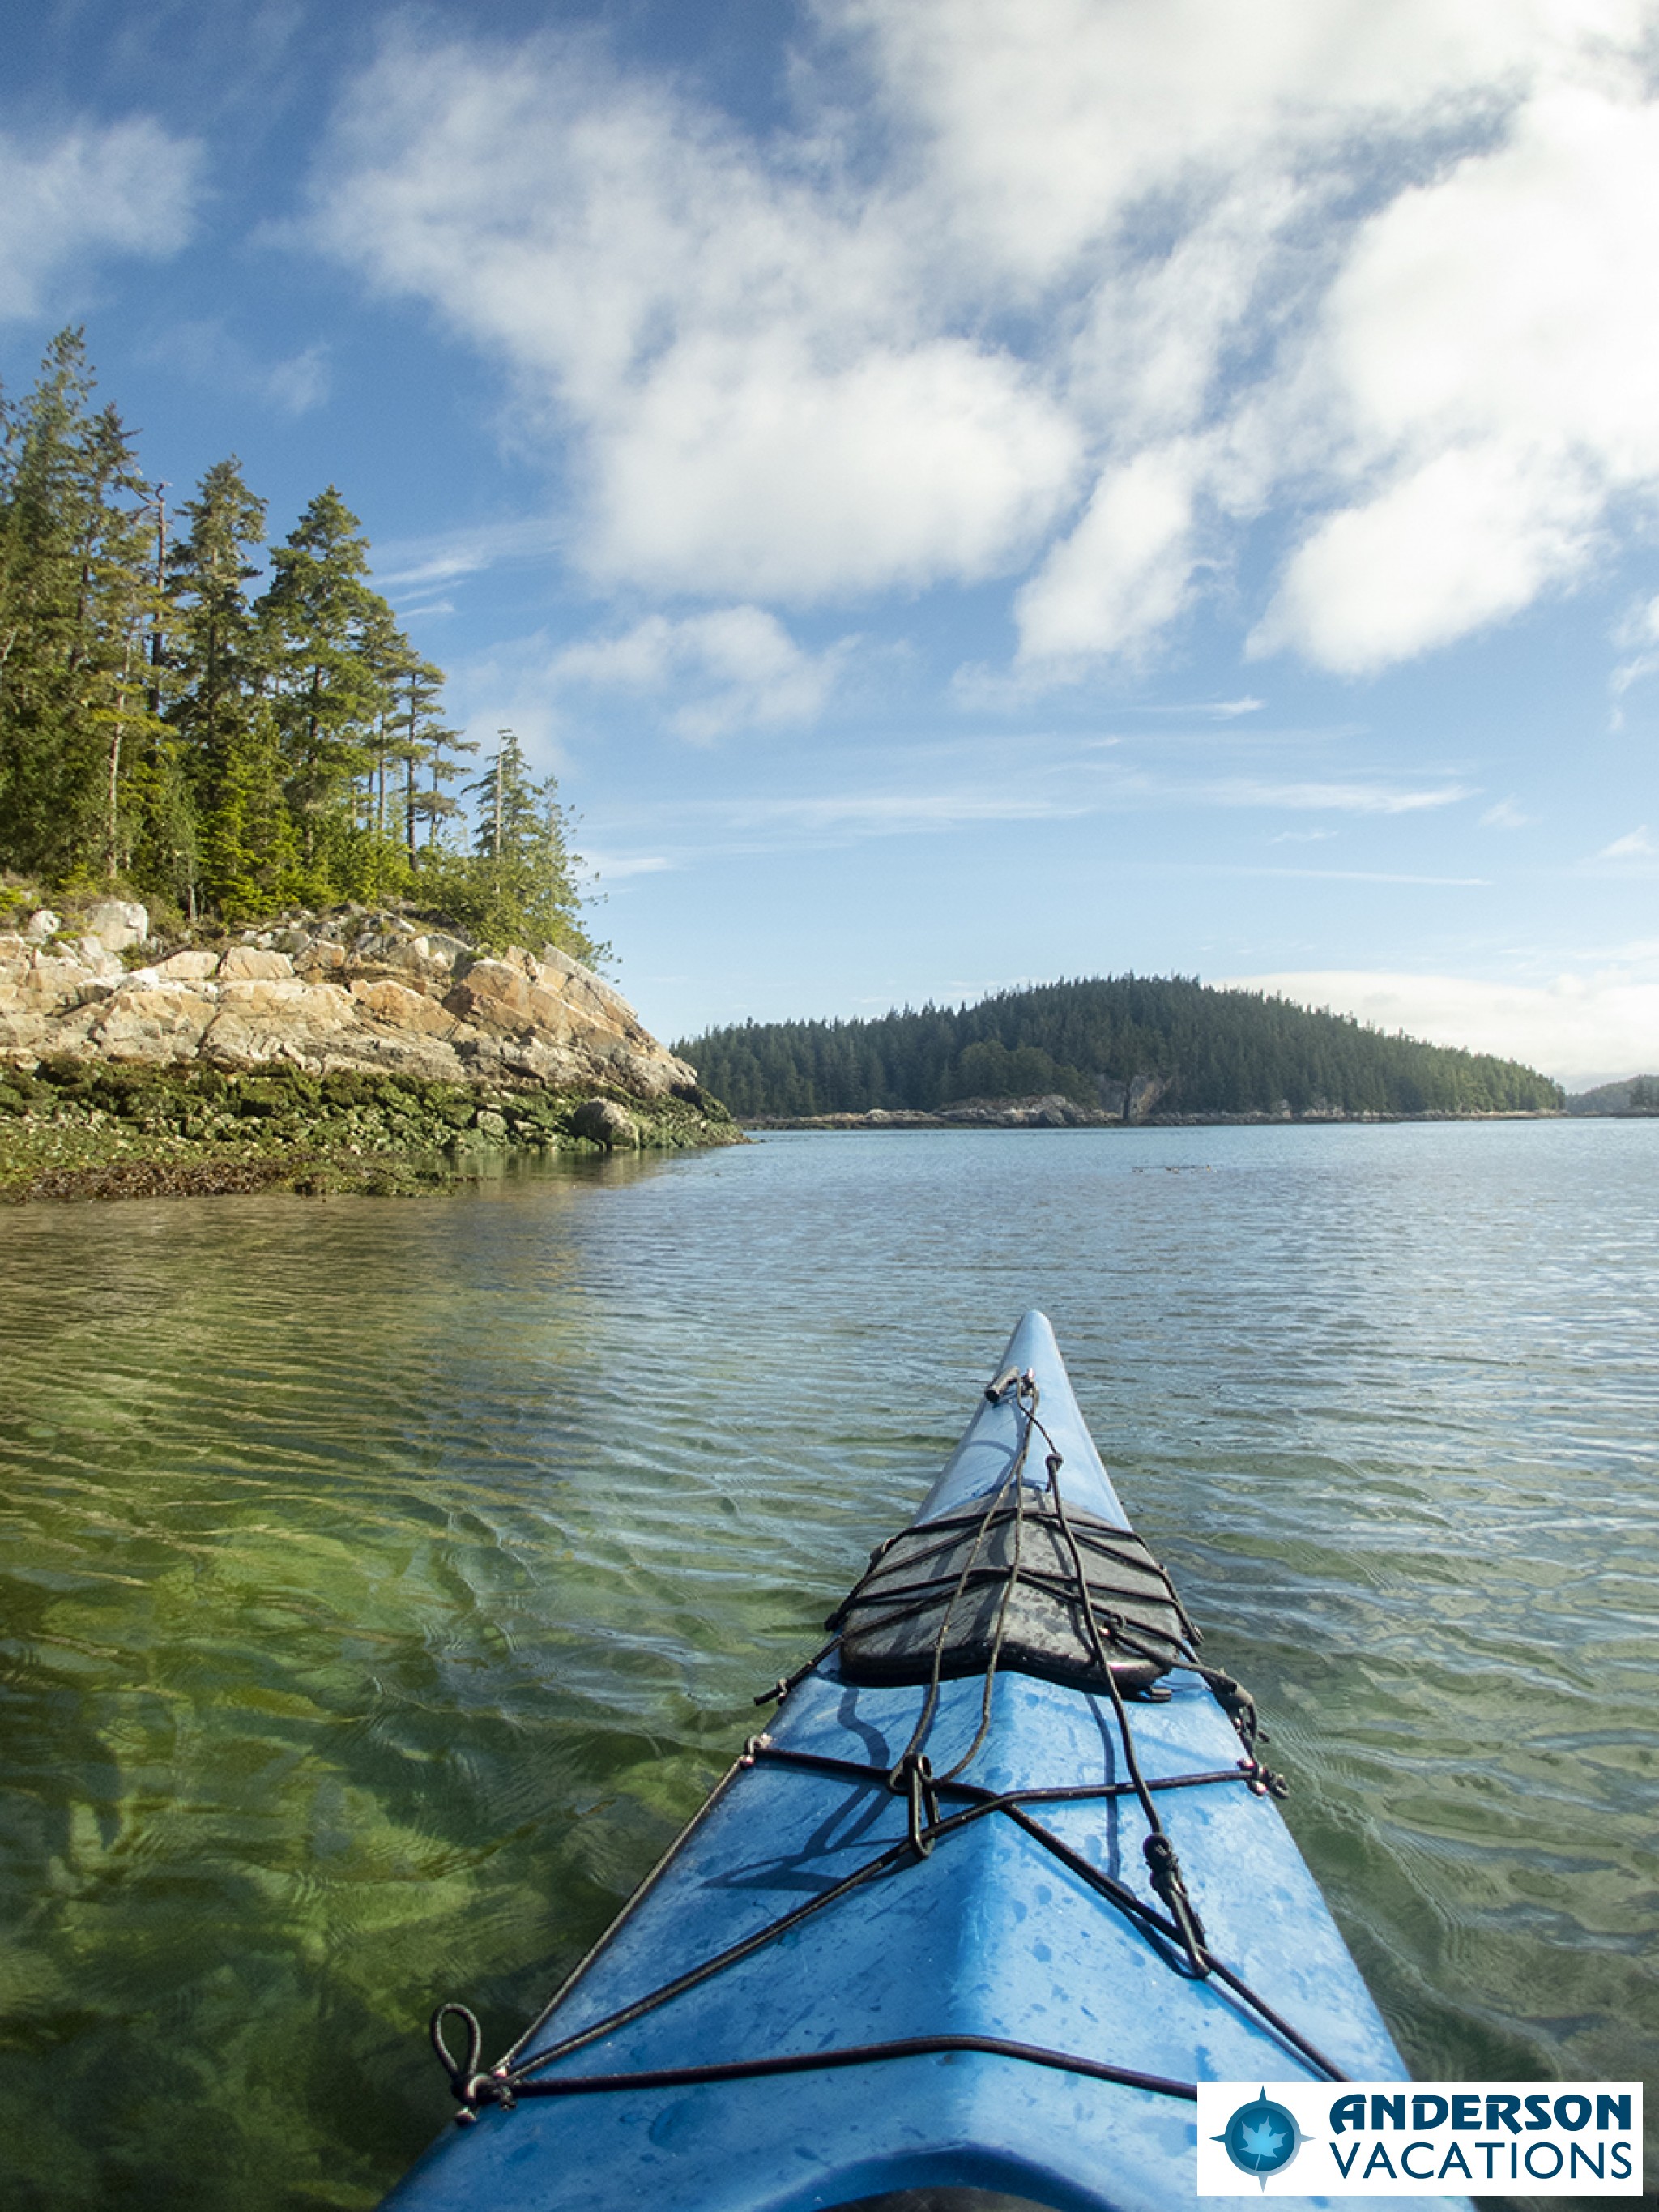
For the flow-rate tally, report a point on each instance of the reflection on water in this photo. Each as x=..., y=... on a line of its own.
x=382, y=1583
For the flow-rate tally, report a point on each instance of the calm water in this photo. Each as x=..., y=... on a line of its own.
x=383, y=1583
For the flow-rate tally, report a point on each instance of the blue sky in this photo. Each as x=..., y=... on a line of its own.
x=961, y=492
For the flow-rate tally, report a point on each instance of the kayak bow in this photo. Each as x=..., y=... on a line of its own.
x=1004, y=1879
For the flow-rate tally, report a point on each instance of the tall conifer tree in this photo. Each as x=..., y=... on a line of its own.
x=316, y=619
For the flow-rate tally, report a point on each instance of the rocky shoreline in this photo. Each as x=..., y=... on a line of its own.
x=1053, y=1111
x=364, y=1049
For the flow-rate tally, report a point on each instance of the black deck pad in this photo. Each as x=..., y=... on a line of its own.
x=889, y=1625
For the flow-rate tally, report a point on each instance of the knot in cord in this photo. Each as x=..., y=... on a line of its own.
x=469, y=2086
x=1163, y=1870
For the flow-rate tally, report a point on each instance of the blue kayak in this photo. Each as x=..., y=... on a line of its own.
x=1001, y=1882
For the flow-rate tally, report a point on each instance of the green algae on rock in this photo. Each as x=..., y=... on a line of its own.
x=80, y=1129
x=364, y=1049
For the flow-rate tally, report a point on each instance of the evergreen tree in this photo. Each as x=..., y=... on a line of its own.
x=520, y=886
x=157, y=728
x=77, y=601
x=423, y=743
x=234, y=829
x=317, y=620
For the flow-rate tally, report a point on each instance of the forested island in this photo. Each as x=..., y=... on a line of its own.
x=260, y=921
x=1121, y=1048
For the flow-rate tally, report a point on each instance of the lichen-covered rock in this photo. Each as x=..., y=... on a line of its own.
x=356, y=990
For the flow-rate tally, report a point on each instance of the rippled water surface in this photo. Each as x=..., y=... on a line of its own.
x=383, y=1583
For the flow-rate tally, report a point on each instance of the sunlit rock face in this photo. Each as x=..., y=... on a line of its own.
x=358, y=988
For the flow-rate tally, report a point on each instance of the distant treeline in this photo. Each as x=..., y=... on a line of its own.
x=164, y=730
x=1214, y=1052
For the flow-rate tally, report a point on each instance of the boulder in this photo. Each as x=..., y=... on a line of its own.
x=255, y=963
x=193, y=966
x=117, y=923
x=43, y=922
x=604, y=1123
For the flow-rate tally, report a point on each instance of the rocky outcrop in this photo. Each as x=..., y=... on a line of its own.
x=375, y=992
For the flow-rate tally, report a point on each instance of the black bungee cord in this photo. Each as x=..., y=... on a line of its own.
x=516, y=2074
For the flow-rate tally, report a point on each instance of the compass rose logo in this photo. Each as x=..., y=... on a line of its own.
x=1261, y=2138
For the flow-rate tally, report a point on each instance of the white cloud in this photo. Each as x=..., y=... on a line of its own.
x=1086, y=289
x=1636, y=845
x=1482, y=351
x=616, y=867
x=1582, y=1030
x=94, y=192
x=469, y=551
x=1333, y=798
x=736, y=668
x=1471, y=536
x=1637, y=635
x=1125, y=572
x=1505, y=815
x=892, y=813
x=760, y=401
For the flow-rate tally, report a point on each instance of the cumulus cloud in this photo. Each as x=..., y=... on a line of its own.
x=1093, y=288
x=761, y=402
x=1581, y=1029
x=736, y=668
x=85, y=195
x=1125, y=572
x=1636, y=845
x=1482, y=352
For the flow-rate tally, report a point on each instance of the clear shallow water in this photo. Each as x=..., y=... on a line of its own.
x=381, y=1584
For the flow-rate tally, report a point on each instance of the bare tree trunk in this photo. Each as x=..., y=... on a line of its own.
x=113, y=816
x=157, y=641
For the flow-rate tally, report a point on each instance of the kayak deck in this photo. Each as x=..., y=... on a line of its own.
x=1024, y=1948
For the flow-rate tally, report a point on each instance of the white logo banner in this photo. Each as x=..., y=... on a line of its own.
x=1420, y=2138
